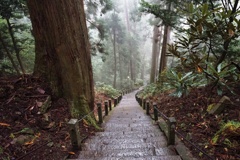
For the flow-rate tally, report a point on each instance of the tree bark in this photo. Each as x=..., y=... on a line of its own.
x=160, y=36
x=120, y=67
x=115, y=59
x=154, y=54
x=63, y=51
x=162, y=64
x=166, y=38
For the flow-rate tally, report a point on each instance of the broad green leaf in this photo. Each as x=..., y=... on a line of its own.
x=204, y=9
x=186, y=75
x=190, y=7
x=219, y=91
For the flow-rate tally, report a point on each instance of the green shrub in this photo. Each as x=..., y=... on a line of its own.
x=107, y=90
x=148, y=91
x=227, y=132
x=138, y=83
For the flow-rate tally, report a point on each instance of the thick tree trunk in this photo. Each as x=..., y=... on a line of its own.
x=63, y=51
x=17, y=51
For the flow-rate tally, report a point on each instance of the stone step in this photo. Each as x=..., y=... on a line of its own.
x=136, y=124
x=129, y=120
x=127, y=117
x=136, y=134
x=171, y=157
x=149, y=128
x=137, y=153
x=157, y=144
x=107, y=141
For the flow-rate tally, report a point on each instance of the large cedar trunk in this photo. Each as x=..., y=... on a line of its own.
x=63, y=51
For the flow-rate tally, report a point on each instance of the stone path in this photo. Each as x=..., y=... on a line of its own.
x=129, y=134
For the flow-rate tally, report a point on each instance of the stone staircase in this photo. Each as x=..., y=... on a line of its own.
x=128, y=134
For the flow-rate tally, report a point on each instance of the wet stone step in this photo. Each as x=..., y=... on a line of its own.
x=128, y=121
x=164, y=151
x=136, y=118
x=92, y=146
x=136, y=134
x=136, y=153
x=107, y=141
x=149, y=128
x=140, y=158
x=139, y=124
x=120, y=133
x=127, y=117
x=125, y=125
x=118, y=153
x=131, y=125
x=129, y=134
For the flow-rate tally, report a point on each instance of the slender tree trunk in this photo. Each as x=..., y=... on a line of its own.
x=166, y=38
x=131, y=63
x=154, y=54
x=63, y=51
x=9, y=55
x=143, y=66
x=17, y=51
x=164, y=51
x=158, y=52
x=115, y=58
x=120, y=67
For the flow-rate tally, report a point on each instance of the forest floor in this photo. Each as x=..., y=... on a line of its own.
x=28, y=134
x=194, y=122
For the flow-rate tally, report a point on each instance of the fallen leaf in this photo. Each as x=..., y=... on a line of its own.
x=29, y=143
x=72, y=153
x=51, y=125
x=40, y=90
x=37, y=135
x=31, y=108
x=4, y=124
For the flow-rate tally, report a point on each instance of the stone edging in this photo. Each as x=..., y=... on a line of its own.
x=181, y=149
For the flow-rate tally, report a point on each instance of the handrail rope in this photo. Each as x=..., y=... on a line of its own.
x=86, y=115
x=163, y=115
x=195, y=146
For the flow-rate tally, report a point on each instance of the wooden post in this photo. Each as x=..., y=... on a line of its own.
x=144, y=104
x=74, y=133
x=106, y=108
x=115, y=102
x=110, y=104
x=143, y=101
x=100, y=117
x=119, y=99
x=155, y=111
x=171, y=130
x=148, y=108
x=140, y=101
